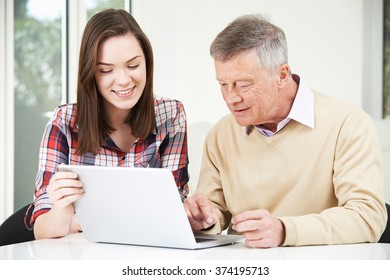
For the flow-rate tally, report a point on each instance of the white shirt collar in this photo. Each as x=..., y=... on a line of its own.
x=302, y=109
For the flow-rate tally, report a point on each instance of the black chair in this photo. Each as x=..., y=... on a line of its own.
x=13, y=229
x=385, y=238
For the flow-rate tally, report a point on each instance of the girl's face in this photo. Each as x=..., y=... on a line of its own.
x=121, y=72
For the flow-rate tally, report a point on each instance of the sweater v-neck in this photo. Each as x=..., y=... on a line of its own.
x=271, y=140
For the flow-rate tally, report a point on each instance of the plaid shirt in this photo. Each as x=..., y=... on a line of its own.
x=166, y=147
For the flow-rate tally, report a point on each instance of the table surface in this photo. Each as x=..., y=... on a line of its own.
x=75, y=246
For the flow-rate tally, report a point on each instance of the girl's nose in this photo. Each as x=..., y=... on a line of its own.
x=123, y=77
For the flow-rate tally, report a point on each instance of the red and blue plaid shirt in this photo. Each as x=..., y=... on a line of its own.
x=166, y=147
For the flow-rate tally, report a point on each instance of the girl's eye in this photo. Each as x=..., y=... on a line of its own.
x=105, y=71
x=133, y=66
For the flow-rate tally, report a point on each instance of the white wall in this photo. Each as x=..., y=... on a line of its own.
x=325, y=45
x=333, y=45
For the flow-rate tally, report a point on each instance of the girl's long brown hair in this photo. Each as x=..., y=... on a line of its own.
x=92, y=122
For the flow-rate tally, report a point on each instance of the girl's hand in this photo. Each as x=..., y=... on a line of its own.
x=64, y=189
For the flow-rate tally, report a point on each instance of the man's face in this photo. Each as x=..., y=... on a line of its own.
x=250, y=92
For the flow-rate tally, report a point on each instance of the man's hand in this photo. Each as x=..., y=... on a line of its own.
x=201, y=212
x=260, y=228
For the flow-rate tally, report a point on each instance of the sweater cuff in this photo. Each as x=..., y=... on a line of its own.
x=289, y=231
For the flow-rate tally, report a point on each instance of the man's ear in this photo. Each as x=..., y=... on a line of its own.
x=284, y=74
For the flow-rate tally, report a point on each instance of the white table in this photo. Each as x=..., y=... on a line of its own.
x=75, y=246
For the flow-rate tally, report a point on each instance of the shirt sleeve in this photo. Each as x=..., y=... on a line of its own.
x=53, y=151
x=174, y=153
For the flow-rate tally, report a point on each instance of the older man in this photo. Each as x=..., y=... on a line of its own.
x=288, y=166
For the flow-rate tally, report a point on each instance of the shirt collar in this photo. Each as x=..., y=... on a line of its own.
x=302, y=109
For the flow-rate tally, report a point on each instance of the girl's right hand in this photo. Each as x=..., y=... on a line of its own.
x=64, y=189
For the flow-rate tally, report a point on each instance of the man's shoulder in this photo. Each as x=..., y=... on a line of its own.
x=332, y=114
x=225, y=127
x=225, y=122
x=333, y=107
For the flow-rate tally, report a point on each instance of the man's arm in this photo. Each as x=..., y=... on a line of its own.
x=360, y=215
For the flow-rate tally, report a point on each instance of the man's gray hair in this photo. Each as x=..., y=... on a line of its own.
x=252, y=32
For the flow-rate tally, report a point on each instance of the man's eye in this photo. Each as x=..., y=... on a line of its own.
x=243, y=86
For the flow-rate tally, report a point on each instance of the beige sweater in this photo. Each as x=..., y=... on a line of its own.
x=325, y=184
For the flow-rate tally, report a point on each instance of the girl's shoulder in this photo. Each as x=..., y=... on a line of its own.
x=168, y=110
x=167, y=103
x=168, y=107
x=65, y=115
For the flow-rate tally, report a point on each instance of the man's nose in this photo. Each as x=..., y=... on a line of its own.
x=232, y=95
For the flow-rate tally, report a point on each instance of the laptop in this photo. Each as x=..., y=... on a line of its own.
x=137, y=206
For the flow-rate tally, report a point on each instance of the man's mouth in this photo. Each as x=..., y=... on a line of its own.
x=239, y=110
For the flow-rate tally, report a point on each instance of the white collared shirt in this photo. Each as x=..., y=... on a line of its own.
x=301, y=111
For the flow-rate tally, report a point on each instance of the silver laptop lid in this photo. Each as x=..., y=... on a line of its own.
x=139, y=206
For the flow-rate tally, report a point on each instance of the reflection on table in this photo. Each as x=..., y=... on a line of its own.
x=75, y=246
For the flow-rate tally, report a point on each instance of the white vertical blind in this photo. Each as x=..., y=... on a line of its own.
x=6, y=110
x=373, y=58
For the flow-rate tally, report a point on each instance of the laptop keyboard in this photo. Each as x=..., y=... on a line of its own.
x=203, y=239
